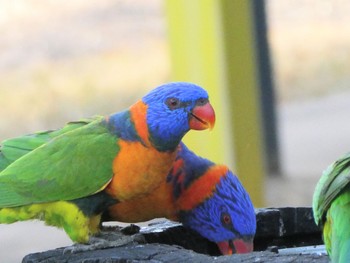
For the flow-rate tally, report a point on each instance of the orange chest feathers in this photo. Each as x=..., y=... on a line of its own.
x=159, y=203
x=138, y=170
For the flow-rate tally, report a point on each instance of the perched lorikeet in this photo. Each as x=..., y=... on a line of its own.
x=331, y=207
x=203, y=196
x=69, y=176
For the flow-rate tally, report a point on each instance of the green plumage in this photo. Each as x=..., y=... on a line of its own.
x=69, y=176
x=13, y=149
x=67, y=170
x=331, y=207
x=336, y=231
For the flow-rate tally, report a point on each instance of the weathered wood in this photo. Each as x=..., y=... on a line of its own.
x=166, y=241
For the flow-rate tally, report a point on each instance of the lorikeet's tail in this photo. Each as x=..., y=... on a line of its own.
x=11, y=215
x=61, y=214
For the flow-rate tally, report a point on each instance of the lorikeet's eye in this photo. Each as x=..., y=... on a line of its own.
x=226, y=219
x=201, y=101
x=173, y=103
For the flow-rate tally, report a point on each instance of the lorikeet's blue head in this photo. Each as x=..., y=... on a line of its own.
x=226, y=217
x=175, y=108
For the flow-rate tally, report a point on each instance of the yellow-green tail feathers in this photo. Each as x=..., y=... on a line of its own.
x=61, y=214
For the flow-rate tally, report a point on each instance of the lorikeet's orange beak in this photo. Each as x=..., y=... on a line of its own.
x=202, y=117
x=236, y=246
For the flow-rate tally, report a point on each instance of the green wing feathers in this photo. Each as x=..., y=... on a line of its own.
x=336, y=231
x=13, y=149
x=334, y=179
x=70, y=163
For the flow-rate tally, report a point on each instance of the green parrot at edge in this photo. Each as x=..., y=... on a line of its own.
x=331, y=208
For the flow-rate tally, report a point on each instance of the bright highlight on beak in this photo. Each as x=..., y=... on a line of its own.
x=236, y=246
x=202, y=117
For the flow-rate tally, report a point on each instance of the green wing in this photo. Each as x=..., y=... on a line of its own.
x=334, y=179
x=13, y=149
x=62, y=166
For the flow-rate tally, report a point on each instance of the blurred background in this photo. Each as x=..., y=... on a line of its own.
x=61, y=62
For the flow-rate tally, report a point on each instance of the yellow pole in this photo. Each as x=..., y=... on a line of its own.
x=195, y=50
x=212, y=44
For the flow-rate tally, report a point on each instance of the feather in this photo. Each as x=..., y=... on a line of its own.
x=331, y=207
x=202, y=196
x=90, y=164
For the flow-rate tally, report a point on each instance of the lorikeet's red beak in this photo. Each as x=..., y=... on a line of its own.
x=236, y=246
x=202, y=117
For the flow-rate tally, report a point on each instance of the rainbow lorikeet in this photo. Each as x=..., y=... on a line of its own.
x=203, y=196
x=331, y=207
x=69, y=176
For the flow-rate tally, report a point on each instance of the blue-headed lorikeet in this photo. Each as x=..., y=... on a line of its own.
x=203, y=196
x=69, y=176
x=331, y=207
